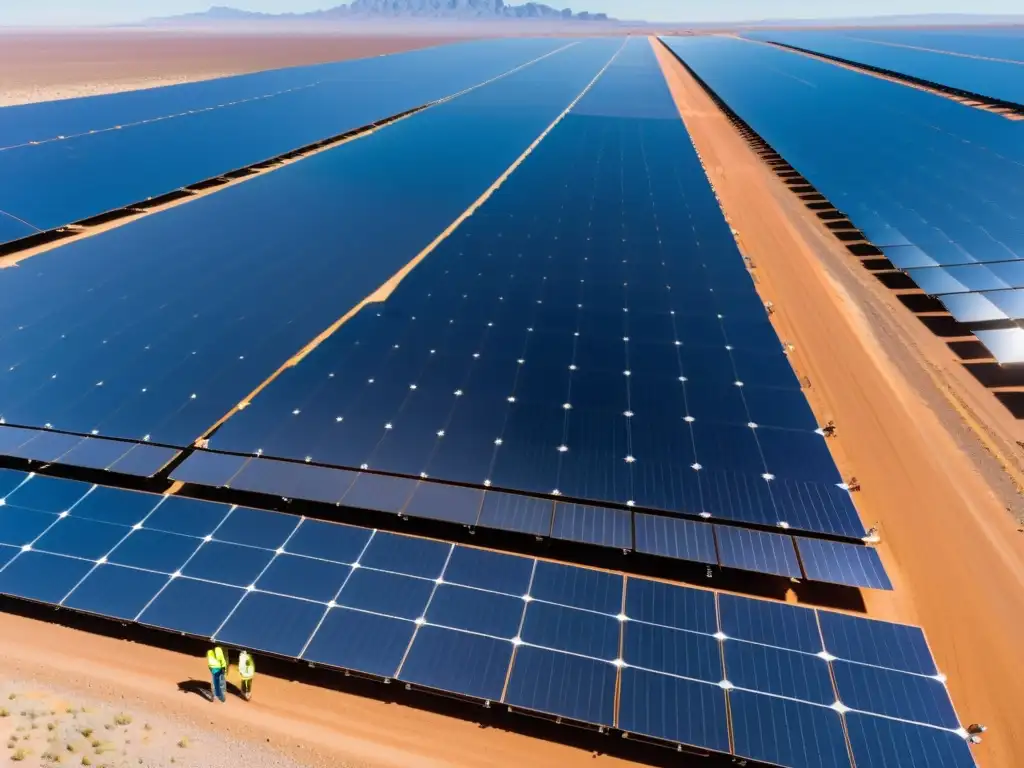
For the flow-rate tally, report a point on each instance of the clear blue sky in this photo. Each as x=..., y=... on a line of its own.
x=72, y=12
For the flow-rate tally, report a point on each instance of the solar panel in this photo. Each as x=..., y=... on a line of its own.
x=673, y=709
x=675, y=538
x=785, y=732
x=837, y=563
x=136, y=459
x=757, y=551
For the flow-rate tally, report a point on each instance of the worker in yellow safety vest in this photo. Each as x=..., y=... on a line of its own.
x=218, y=664
x=246, y=671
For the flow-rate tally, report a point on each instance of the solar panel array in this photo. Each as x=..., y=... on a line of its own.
x=584, y=359
x=761, y=680
x=91, y=156
x=981, y=72
x=153, y=331
x=937, y=187
x=590, y=332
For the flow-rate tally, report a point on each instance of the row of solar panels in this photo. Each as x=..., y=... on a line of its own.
x=70, y=161
x=628, y=530
x=981, y=74
x=132, y=333
x=765, y=681
x=940, y=204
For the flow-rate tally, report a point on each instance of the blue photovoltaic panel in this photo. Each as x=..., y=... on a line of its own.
x=117, y=592
x=7, y=554
x=571, y=630
x=329, y=541
x=673, y=709
x=403, y=554
x=578, y=587
x=48, y=494
x=676, y=538
x=77, y=537
x=880, y=643
x=213, y=469
x=475, y=610
x=112, y=505
x=1006, y=345
x=42, y=577
x=191, y=607
x=810, y=506
x=250, y=625
x=9, y=480
x=227, y=563
x=883, y=741
x=304, y=577
x=388, y=593
x=972, y=308
x=561, y=684
x=770, y=623
x=19, y=527
x=669, y=605
x=380, y=493
x=672, y=651
x=292, y=481
x=445, y=502
x=593, y=525
x=757, y=551
x=257, y=528
x=916, y=698
x=189, y=517
x=364, y=642
x=154, y=550
x=492, y=571
x=458, y=662
x=765, y=669
x=784, y=732
x=521, y=514
x=854, y=565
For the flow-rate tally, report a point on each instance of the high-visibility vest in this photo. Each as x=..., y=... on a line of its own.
x=212, y=661
x=219, y=652
x=246, y=667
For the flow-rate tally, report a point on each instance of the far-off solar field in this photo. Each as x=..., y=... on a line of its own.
x=665, y=387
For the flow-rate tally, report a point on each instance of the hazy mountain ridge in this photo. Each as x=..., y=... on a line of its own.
x=472, y=10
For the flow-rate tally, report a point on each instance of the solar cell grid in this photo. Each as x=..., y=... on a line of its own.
x=566, y=644
x=561, y=358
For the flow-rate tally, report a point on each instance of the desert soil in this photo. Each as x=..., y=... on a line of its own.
x=954, y=554
x=294, y=724
x=42, y=66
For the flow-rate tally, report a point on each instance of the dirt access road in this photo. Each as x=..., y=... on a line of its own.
x=954, y=554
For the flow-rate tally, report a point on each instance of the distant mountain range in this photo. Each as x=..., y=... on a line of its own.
x=470, y=10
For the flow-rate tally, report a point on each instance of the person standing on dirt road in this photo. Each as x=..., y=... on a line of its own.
x=218, y=665
x=247, y=671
